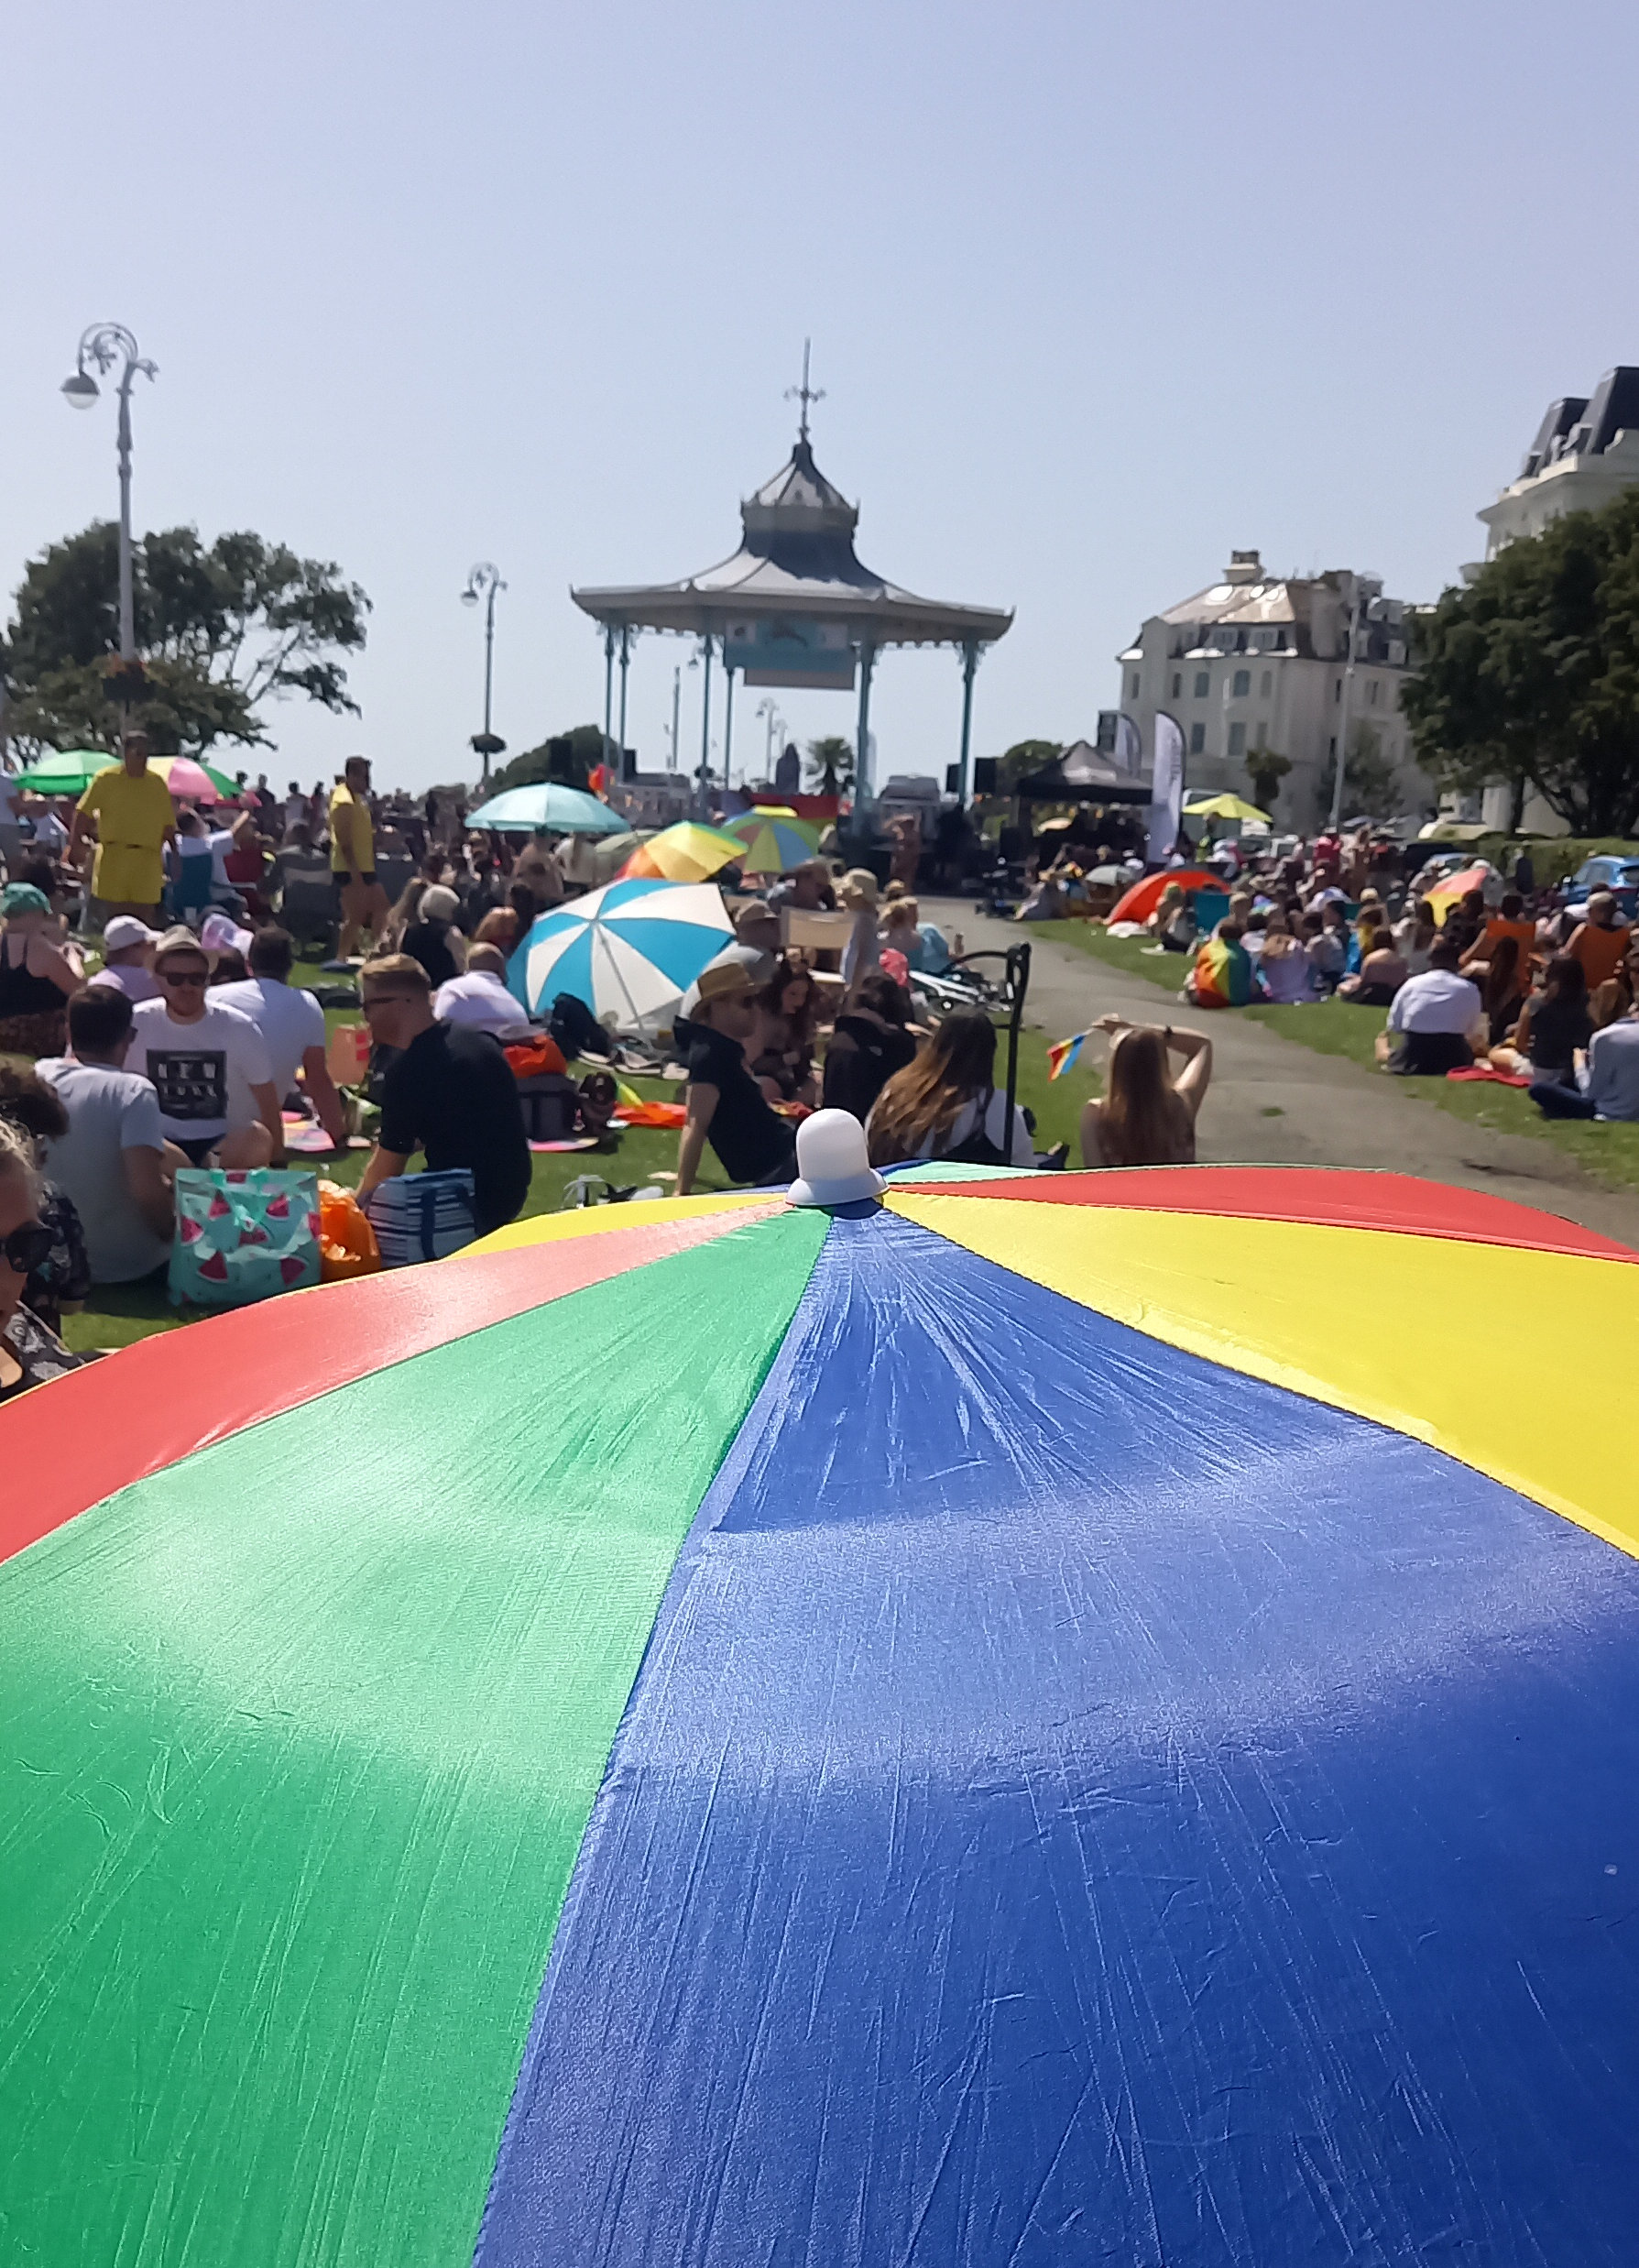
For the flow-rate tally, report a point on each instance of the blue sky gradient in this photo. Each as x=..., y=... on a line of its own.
x=1097, y=292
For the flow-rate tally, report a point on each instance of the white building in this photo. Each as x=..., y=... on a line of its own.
x=1255, y=662
x=1585, y=453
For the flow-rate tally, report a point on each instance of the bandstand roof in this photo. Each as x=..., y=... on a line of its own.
x=796, y=557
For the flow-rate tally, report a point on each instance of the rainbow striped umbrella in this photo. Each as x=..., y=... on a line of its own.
x=772, y=842
x=687, y=852
x=968, y=1729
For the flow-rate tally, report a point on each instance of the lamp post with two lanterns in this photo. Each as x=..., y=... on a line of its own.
x=484, y=582
x=104, y=344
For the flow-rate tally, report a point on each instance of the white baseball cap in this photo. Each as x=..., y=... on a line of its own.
x=125, y=931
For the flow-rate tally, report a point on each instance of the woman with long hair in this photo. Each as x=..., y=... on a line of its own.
x=781, y=1053
x=1146, y=1117
x=1283, y=965
x=1499, y=986
x=1556, y=1022
x=944, y=1103
x=406, y=908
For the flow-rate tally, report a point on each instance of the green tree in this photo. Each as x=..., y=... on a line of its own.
x=220, y=630
x=568, y=757
x=1371, y=783
x=1022, y=758
x=831, y=765
x=1265, y=770
x=1531, y=673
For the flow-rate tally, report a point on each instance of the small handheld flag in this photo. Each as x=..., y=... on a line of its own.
x=1062, y=1057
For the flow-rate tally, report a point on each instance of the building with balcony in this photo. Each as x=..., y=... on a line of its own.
x=1257, y=662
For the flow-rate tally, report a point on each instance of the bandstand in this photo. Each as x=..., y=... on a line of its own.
x=794, y=606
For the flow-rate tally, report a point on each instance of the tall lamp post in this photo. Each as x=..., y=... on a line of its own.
x=1364, y=598
x=484, y=582
x=104, y=343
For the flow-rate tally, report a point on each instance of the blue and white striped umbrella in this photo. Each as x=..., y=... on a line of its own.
x=633, y=947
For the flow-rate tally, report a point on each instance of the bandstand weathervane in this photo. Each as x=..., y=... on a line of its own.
x=792, y=607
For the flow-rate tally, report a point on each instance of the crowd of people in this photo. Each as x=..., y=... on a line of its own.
x=1505, y=979
x=176, y=1037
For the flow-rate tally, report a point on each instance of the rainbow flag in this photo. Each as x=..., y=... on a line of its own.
x=1223, y=974
x=1062, y=1057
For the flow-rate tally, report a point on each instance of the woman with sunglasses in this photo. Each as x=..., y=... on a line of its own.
x=29, y=1354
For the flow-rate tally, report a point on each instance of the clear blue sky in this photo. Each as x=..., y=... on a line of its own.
x=1097, y=292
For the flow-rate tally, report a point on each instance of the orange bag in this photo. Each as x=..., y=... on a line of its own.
x=347, y=1245
x=533, y=1059
x=347, y=1054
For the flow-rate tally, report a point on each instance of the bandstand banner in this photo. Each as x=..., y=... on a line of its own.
x=787, y=651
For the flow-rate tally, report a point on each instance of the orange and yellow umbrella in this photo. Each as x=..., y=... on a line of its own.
x=1447, y=894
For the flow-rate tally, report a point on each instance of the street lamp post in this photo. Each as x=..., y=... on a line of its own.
x=1366, y=591
x=484, y=582
x=104, y=343
x=766, y=710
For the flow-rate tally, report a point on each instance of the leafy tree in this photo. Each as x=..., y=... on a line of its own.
x=1022, y=758
x=1371, y=783
x=1532, y=673
x=831, y=765
x=568, y=757
x=220, y=631
x=1265, y=770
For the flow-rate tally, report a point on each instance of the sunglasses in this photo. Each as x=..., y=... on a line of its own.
x=28, y=1248
x=181, y=976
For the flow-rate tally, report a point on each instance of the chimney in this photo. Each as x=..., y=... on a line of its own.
x=1244, y=567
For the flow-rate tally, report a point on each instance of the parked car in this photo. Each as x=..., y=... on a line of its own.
x=1604, y=871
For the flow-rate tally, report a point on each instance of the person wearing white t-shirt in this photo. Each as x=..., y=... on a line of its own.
x=113, y=1163
x=127, y=950
x=480, y=999
x=1438, y=1019
x=210, y=1064
x=292, y=1024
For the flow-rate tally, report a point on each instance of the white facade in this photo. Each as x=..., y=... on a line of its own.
x=1585, y=453
x=1253, y=663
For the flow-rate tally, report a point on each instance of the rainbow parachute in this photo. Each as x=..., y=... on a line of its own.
x=1006, y=1727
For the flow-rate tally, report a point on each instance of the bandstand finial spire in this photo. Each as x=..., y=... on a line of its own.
x=804, y=393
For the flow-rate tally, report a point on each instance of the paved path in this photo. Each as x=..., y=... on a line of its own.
x=1274, y=1102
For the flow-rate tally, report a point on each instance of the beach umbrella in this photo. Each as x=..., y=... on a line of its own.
x=556, y=810
x=959, y=1729
x=633, y=947
x=773, y=842
x=65, y=771
x=687, y=852
x=1139, y=902
x=192, y=782
x=1445, y=894
x=1225, y=807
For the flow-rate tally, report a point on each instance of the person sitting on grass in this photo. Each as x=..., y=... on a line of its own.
x=1379, y=976
x=292, y=1024
x=1609, y=1086
x=209, y=1063
x=1554, y=1027
x=57, y=1284
x=127, y=958
x=1147, y=1116
x=723, y=1103
x=114, y=1161
x=1500, y=988
x=1284, y=969
x=1618, y=994
x=479, y=997
x=1600, y=942
x=781, y=1049
x=869, y=1044
x=38, y=970
x=922, y=943
x=1437, y=1018
x=30, y=1353
x=433, y=937
x=448, y=1091
x=944, y=1104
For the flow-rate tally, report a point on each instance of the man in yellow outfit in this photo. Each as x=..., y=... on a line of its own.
x=361, y=902
x=131, y=808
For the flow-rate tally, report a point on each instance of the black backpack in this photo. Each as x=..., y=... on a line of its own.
x=978, y=1149
x=576, y=1030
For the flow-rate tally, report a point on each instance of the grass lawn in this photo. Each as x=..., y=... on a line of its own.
x=1335, y=1027
x=116, y=1314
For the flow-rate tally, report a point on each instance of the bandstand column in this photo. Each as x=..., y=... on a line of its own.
x=626, y=633
x=703, y=777
x=970, y=664
x=727, y=719
x=862, y=779
x=609, y=687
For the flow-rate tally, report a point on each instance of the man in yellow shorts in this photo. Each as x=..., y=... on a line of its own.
x=361, y=902
x=134, y=819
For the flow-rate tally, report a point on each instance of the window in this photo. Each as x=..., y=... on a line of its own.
x=1332, y=747
x=1242, y=684
x=1372, y=694
x=1132, y=686
x=1337, y=690
x=1266, y=685
x=1203, y=679
x=1197, y=738
x=1261, y=738
x=1238, y=739
x=1178, y=684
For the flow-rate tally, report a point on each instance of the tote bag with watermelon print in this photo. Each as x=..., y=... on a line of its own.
x=243, y=1236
